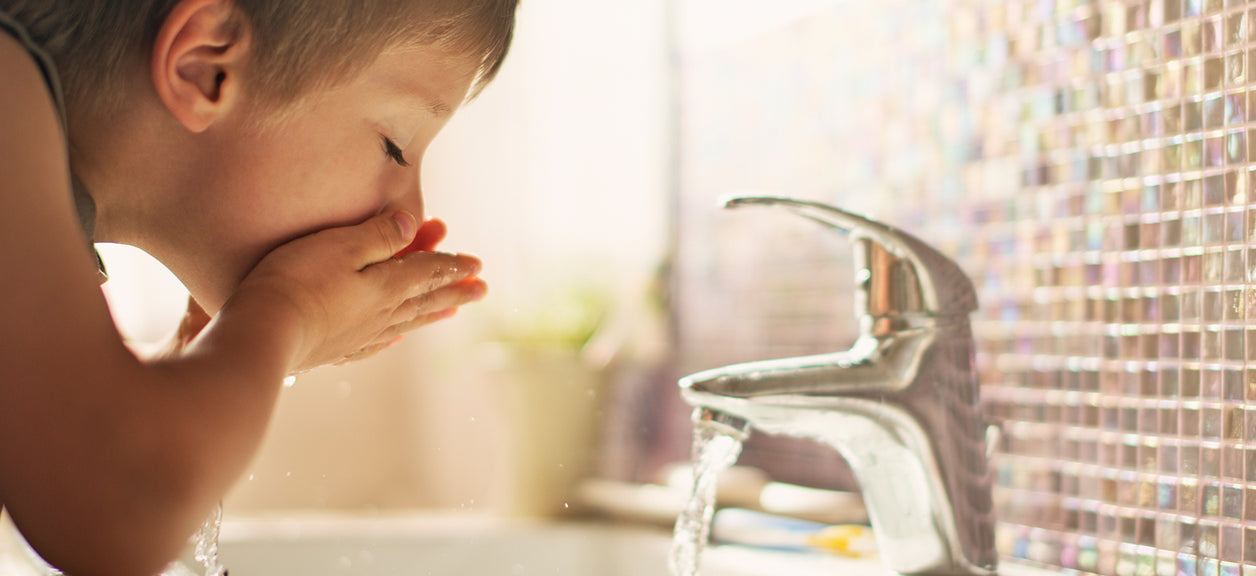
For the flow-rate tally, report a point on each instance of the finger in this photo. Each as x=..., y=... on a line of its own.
x=465, y=291
x=378, y=238
x=426, y=319
x=425, y=240
x=361, y=354
x=371, y=350
x=431, y=233
x=395, y=333
x=422, y=272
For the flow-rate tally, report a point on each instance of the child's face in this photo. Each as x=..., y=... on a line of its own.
x=331, y=163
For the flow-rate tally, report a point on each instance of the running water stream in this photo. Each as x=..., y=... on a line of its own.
x=713, y=452
x=206, y=552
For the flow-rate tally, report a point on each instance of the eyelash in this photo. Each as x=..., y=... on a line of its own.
x=394, y=152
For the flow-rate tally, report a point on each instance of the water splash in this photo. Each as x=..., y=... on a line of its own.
x=206, y=552
x=713, y=452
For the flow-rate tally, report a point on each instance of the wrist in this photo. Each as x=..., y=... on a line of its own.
x=271, y=318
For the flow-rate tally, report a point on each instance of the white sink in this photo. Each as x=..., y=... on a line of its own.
x=422, y=546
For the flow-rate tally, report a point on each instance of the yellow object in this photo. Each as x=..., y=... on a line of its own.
x=849, y=540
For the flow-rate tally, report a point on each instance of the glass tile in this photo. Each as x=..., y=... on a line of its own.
x=1192, y=231
x=1249, y=544
x=1214, y=73
x=1193, y=116
x=1192, y=193
x=1235, y=349
x=1232, y=504
x=1189, y=426
x=1214, y=310
x=1171, y=230
x=1193, y=154
x=1236, y=149
x=1212, y=499
x=1212, y=426
x=1236, y=29
x=1235, y=68
x=1172, y=117
x=1191, y=38
x=1212, y=384
x=1190, y=389
x=1214, y=111
x=1167, y=533
x=1190, y=299
x=1213, y=228
x=1235, y=270
x=1214, y=156
x=1212, y=34
x=1234, y=391
x=1211, y=344
x=1235, y=108
x=1235, y=224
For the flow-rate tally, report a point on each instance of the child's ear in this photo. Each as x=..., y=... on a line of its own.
x=197, y=59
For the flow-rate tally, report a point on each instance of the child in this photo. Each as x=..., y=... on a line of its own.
x=267, y=152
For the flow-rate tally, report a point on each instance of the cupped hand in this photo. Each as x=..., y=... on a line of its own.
x=357, y=289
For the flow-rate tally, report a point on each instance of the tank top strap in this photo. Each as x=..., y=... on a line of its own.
x=83, y=203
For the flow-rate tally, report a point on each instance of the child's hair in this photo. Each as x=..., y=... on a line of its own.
x=298, y=45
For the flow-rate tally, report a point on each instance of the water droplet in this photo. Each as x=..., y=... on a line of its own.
x=289, y=381
x=250, y=476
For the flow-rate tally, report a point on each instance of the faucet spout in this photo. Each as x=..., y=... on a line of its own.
x=901, y=405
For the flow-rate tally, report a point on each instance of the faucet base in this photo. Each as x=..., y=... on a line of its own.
x=893, y=460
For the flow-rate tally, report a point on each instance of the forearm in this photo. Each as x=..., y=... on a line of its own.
x=217, y=399
x=144, y=451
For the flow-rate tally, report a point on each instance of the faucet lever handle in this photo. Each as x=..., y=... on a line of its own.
x=897, y=272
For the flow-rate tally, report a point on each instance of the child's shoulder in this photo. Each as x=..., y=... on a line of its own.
x=31, y=139
x=25, y=80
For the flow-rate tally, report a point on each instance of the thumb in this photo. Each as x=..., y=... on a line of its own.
x=385, y=235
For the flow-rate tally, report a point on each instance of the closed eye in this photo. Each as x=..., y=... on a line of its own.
x=394, y=152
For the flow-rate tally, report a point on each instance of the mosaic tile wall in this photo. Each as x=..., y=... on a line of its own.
x=1090, y=165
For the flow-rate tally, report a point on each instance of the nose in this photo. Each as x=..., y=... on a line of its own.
x=406, y=193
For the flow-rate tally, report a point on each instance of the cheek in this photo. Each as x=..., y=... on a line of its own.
x=331, y=178
x=278, y=193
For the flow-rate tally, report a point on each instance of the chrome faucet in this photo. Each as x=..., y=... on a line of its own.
x=901, y=405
